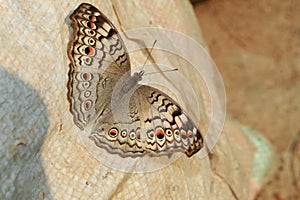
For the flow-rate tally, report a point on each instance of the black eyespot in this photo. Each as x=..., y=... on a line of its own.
x=89, y=24
x=91, y=41
x=87, y=50
x=168, y=132
x=113, y=132
x=132, y=135
x=89, y=32
x=86, y=84
x=88, y=61
x=150, y=134
x=123, y=133
x=87, y=94
x=160, y=136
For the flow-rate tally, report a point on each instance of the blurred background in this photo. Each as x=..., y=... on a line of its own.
x=256, y=46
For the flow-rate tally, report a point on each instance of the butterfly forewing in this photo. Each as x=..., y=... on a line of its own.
x=98, y=59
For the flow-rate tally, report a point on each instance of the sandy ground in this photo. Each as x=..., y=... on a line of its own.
x=256, y=45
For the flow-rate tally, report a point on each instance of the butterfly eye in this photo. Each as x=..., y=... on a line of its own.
x=123, y=133
x=113, y=132
x=87, y=94
x=88, y=104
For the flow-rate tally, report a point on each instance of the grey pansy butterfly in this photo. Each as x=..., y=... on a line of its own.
x=142, y=120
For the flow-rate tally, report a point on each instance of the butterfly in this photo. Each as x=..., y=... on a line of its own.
x=124, y=117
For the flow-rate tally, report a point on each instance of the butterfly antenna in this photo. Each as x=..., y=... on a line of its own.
x=149, y=55
x=169, y=70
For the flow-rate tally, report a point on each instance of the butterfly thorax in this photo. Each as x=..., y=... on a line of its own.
x=132, y=81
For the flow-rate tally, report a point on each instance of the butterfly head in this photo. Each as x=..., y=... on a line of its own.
x=138, y=75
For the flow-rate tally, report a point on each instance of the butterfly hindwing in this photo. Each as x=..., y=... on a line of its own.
x=155, y=125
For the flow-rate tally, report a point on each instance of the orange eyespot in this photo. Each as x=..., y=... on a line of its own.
x=113, y=132
x=91, y=25
x=88, y=104
x=190, y=133
x=160, y=133
x=183, y=134
x=87, y=76
x=138, y=134
x=89, y=51
x=92, y=18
